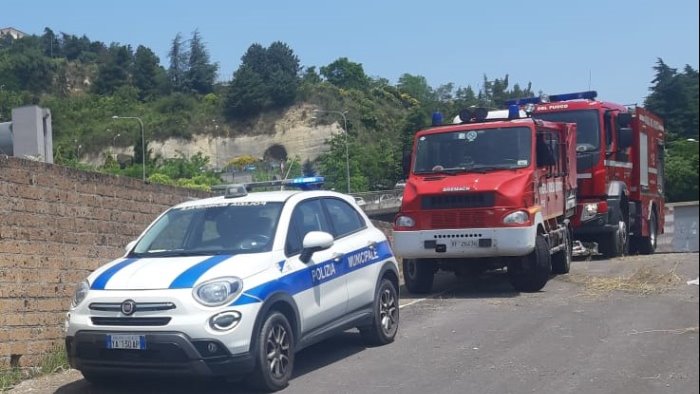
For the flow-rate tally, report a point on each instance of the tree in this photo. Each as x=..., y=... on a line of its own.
x=282, y=74
x=116, y=71
x=200, y=74
x=246, y=94
x=345, y=74
x=50, y=43
x=674, y=97
x=146, y=70
x=178, y=63
x=267, y=78
x=417, y=86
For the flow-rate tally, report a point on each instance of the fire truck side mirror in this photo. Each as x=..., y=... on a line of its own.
x=623, y=120
x=624, y=138
x=406, y=164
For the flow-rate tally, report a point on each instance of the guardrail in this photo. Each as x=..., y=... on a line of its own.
x=379, y=202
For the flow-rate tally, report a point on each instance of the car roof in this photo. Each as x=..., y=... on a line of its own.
x=273, y=196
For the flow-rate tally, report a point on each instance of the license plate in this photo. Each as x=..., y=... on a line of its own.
x=121, y=341
x=463, y=243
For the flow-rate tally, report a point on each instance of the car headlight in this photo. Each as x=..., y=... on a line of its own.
x=518, y=217
x=217, y=291
x=405, y=221
x=589, y=211
x=80, y=293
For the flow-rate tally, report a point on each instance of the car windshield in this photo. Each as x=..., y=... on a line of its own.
x=587, y=129
x=227, y=228
x=474, y=150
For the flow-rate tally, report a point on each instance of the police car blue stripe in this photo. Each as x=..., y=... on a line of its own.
x=305, y=279
x=188, y=278
x=101, y=281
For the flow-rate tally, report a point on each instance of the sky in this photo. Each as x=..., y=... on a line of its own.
x=558, y=46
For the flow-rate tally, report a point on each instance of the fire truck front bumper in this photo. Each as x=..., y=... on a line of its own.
x=465, y=243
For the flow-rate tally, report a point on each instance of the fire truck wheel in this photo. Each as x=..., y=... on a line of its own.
x=616, y=243
x=418, y=275
x=530, y=273
x=561, y=261
x=647, y=245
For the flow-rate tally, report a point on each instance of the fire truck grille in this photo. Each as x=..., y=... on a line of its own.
x=456, y=201
x=459, y=219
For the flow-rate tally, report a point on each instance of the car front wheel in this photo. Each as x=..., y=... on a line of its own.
x=274, y=354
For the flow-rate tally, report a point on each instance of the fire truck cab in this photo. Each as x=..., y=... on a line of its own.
x=620, y=163
x=488, y=193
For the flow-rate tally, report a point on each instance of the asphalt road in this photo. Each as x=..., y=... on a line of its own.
x=579, y=335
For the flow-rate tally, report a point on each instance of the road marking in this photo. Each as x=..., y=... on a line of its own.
x=426, y=298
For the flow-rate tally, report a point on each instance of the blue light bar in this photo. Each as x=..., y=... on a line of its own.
x=437, y=119
x=305, y=183
x=513, y=111
x=588, y=95
x=523, y=101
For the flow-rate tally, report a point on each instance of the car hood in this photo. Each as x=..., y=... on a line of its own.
x=174, y=272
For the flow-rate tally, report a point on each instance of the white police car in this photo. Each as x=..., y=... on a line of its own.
x=235, y=285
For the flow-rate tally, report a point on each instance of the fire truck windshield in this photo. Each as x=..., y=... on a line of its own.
x=587, y=130
x=474, y=150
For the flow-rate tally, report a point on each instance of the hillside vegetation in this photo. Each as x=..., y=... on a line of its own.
x=85, y=83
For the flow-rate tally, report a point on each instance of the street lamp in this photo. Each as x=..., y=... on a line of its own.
x=143, y=141
x=347, y=150
x=114, y=139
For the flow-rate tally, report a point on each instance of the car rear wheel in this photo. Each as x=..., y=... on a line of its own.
x=385, y=323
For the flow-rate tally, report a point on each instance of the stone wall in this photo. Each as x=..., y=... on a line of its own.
x=57, y=224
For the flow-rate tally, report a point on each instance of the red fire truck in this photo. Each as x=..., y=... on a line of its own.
x=620, y=163
x=489, y=192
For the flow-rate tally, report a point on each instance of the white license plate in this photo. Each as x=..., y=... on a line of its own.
x=463, y=243
x=121, y=341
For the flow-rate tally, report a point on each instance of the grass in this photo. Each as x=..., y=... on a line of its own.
x=53, y=362
x=644, y=281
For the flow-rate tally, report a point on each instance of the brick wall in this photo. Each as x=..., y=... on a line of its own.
x=56, y=225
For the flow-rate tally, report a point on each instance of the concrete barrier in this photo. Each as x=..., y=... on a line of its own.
x=680, y=229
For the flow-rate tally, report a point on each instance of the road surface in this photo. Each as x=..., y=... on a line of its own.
x=611, y=326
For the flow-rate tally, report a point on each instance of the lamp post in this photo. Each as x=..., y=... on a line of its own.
x=143, y=142
x=347, y=150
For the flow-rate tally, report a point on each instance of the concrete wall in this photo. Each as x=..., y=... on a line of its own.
x=56, y=225
x=681, y=228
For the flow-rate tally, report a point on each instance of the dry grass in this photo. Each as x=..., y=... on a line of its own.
x=644, y=281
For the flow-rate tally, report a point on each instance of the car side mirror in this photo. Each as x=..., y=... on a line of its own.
x=130, y=246
x=315, y=241
x=624, y=138
x=406, y=162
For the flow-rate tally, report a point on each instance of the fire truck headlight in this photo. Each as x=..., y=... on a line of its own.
x=518, y=217
x=404, y=221
x=589, y=211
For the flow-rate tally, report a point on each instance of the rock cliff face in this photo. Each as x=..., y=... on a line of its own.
x=295, y=133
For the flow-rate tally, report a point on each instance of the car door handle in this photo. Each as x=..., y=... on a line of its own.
x=338, y=257
x=372, y=245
